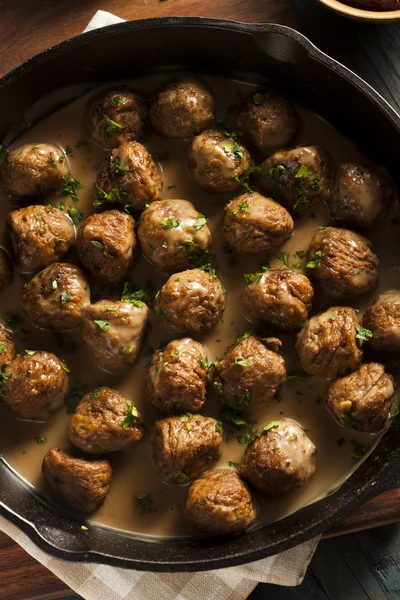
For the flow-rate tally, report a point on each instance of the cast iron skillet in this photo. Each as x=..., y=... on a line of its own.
x=251, y=52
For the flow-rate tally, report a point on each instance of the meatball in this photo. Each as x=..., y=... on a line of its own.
x=191, y=302
x=268, y=121
x=54, y=298
x=363, y=399
x=104, y=421
x=40, y=235
x=329, y=343
x=218, y=162
x=116, y=117
x=81, y=484
x=35, y=385
x=114, y=331
x=6, y=271
x=253, y=224
x=382, y=318
x=177, y=377
x=7, y=348
x=249, y=372
x=281, y=297
x=281, y=461
x=220, y=503
x=129, y=176
x=184, y=447
x=172, y=233
x=360, y=194
x=342, y=263
x=31, y=171
x=183, y=108
x=106, y=243
x=297, y=178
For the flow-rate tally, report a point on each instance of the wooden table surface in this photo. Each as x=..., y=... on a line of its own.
x=28, y=26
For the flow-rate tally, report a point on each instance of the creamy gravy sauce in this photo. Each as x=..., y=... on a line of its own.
x=134, y=471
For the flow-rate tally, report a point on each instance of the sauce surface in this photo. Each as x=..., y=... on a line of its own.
x=134, y=471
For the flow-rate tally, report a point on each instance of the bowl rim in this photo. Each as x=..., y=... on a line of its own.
x=361, y=13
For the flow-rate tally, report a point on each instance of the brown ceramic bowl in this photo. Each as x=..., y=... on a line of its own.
x=373, y=16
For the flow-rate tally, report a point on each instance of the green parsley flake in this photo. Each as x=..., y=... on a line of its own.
x=98, y=245
x=30, y=352
x=133, y=414
x=170, y=223
x=111, y=127
x=117, y=100
x=145, y=501
x=363, y=334
x=284, y=257
x=40, y=439
x=69, y=186
x=271, y=425
x=201, y=221
x=316, y=260
x=103, y=325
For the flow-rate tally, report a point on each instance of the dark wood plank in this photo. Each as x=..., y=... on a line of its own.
x=27, y=27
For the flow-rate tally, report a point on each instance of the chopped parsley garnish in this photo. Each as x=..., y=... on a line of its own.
x=259, y=99
x=271, y=425
x=170, y=223
x=164, y=244
x=2, y=347
x=274, y=173
x=135, y=298
x=359, y=450
x=201, y=221
x=252, y=277
x=145, y=501
x=118, y=168
x=218, y=427
x=117, y=100
x=363, y=334
x=114, y=195
x=235, y=150
x=75, y=214
x=162, y=313
x=53, y=161
x=111, y=127
x=284, y=257
x=4, y=376
x=303, y=172
x=183, y=478
x=204, y=362
x=171, y=187
x=75, y=395
x=69, y=186
x=300, y=253
x=65, y=368
x=241, y=362
x=243, y=206
x=348, y=421
x=205, y=261
x=316, y=260
x=69, y=151
x=30, y=352
x=103, y=325
x=98, y=245
x=133, y=414
x=265, y=267
x=394, y=414
x=84, y=528
x=54, y=285
x=65, y=296
x=40, y=439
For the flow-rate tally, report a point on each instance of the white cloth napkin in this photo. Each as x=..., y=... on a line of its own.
x=101, y=582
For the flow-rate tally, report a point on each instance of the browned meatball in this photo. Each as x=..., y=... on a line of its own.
x=7, y=348
x=55, y=297
x=342, y=263
x=184, y=447
x=281, y=461
x=268, y=121
x=183, y=108
x=177, y=377
x=6, y=271
x=172, y=233
x=129, y=176
x=31, y=171
x=116, y=117
x=297, y=178
x=218, y=163
x=249, y=372
x=281, y=298
x=253, y=223
x=220, y=503
x=360, y=194
x=363, y=399
x=114, y=331
x=106, y=243
x=81, y=484
x=382, y=319
x=329, y=343
x=40, y=235
x=104, y=421
x=35, y=385
x=191, y=302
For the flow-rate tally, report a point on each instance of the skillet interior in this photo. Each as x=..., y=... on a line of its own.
x=249, y=52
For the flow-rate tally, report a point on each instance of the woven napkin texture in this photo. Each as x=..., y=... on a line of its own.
x=101, y=582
